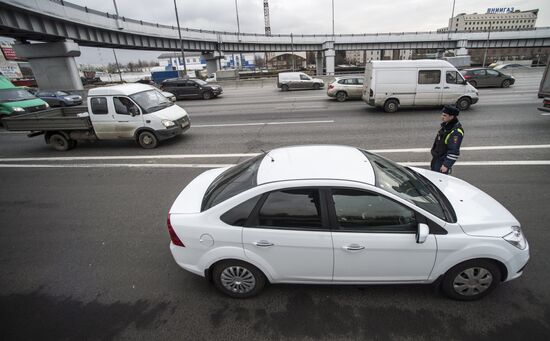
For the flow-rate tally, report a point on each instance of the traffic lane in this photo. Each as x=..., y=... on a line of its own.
x=511, y=124
x=85, y=255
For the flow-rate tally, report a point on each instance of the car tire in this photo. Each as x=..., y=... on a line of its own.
x=284, y=87
x=238, y=279
x=473, y=83
x=505, y=83
x=341, y=96
x=1, y=118
x=207, y=95
x=59, y=142
x=316, y=86
x=391, y=105
x=463, y=103
x=471, y=280
x=147, y=140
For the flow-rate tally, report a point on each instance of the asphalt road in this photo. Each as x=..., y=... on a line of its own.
x=84, y=247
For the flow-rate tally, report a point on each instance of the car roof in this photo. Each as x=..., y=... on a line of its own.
x=411, y=63
x=315, y=162
x=121, y=89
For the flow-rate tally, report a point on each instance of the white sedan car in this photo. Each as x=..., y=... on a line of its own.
x=342, y=215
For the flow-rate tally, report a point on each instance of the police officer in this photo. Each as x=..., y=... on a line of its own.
x=446, y=147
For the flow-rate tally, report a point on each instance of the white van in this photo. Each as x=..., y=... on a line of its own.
x=391, y=84
x=298, y=80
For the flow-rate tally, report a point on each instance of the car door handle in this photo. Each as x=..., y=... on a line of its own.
x=437, y=87
x=354, y=247
x=263, y=243
x=446, y=87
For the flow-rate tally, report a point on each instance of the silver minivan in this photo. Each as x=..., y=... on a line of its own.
x=298, y=80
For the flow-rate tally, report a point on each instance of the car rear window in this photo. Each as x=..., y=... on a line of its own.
x=233, y=181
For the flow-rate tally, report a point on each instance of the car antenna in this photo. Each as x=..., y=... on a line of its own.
x=267, y=154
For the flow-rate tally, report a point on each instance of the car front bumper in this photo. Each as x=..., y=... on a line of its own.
x=182, y=125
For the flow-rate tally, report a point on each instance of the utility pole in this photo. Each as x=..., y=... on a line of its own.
x=239, y=35
x=181, y=41
x=451, y=21
x=114, y=53
x=332, y=20
x=487, y=46
x=292, y=50
x=267, y=26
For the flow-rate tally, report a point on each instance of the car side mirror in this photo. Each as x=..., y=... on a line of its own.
x=464, y=82
x=422, y=233
x=134, y=111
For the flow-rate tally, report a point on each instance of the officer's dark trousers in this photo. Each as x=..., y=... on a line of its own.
x=436, y=165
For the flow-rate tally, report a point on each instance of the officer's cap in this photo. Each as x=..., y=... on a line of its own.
x=450, y=110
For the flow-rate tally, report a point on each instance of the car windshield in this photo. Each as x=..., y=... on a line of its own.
x=151, y=100
x=409, y=185
x=200, y=82
x=233, y=181
x=14, y=95
x=62, y=93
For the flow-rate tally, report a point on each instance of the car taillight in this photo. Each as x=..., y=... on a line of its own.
x=467, y=77
x=330, y=86
x=173, y=236
x=546, y=102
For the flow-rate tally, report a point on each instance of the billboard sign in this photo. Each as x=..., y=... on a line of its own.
x=499, y=10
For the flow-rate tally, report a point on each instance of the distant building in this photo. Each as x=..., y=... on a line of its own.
x=362, y=57
x=496, y=19
x=173, y=61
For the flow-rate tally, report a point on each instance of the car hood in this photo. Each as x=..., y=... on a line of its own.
x=190, y=199
x=172, y=113
x=477, y=213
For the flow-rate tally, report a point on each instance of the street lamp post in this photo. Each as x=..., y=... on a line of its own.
x=487, y=44
x=239, y=35
x=181, y=41
x=114, y=53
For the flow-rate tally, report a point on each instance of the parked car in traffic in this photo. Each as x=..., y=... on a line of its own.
x=393, y=84
x=509, y=66
x=298, y=80
x=344, y=88
x=342, y=215
x=486, y=77
x=59, y=98
x=191, y=88
x=169, y=95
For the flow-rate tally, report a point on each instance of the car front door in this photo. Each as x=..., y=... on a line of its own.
x=428, y=87
x=289, y=234
x=453, y=88
x=127, y=117
x=494, y=78
x=375, y=239
x=305, y=81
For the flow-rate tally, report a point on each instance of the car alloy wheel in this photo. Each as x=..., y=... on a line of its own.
x=341, y=96
x=505, y=83
x=238, y=280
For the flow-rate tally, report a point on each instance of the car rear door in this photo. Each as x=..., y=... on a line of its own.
x=289, y=234
x=375, y=239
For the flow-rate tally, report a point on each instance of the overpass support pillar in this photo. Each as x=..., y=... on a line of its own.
x=53, y=64
x=330, y=53
x=212, y=61
x=461, y=48
x=319, y=60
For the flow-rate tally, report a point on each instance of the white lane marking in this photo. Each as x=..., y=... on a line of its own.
x=214, y=165
x=260, y=124
x=424, y=150
x=486, y=163
x=306, y=97
x=119, y=165
x=291, y=107
x=545, y=114
x=193, y=156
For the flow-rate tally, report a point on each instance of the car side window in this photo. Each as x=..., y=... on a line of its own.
x=429, y=76
x=123, y=105
x=305, y=78
x=493, y=73
x=364, y=211
x=478, y=72
x=298, y=208
x=359, y=81
x=342, y=81
x=452, y=77
x=99, y=106
x=238, y=215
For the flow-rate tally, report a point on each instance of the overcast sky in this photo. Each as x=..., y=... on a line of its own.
x=298, y=16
